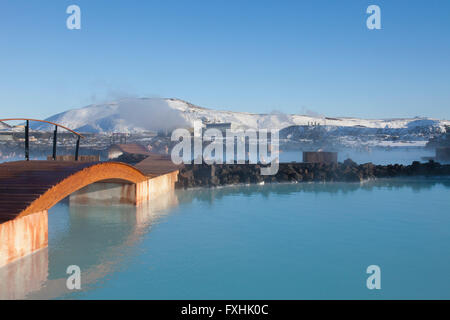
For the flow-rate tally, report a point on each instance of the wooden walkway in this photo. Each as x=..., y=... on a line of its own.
x=22, y=183
x=157, y=164
x=32, y=186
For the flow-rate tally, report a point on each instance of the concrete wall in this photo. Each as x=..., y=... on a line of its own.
x=103, y=193
x=156, y=187
x=107, y=193
x=22, y=236
x=320, y=157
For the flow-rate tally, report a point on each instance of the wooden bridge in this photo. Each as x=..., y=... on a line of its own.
x=28, y=189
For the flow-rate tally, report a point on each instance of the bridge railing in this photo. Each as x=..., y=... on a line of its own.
x=55, y=133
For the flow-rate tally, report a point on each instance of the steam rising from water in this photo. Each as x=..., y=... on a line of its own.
x=150, y=113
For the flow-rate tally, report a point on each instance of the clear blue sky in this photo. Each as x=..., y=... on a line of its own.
x=255, y=56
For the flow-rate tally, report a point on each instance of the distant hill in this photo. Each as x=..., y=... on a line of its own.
x=141, y=114
x=136, y=115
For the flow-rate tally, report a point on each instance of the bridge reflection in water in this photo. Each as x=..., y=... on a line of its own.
x=109, y=233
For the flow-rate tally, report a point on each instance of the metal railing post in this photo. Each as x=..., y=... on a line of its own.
x=27, y=141
x=54, y=142
x=77, y=148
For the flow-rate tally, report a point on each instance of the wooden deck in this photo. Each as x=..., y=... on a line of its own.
x=157, y=164
x=22, y=183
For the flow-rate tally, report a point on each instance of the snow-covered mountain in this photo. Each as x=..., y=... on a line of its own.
x=137, y=115
x=141, y=114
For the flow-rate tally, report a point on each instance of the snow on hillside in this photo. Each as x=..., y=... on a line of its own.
x=4, y=126
x=134, y=115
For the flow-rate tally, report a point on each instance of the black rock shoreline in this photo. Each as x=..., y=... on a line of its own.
x=203, y=175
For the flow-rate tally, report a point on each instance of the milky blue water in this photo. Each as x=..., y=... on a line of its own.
x=378, y=156
x=285, y=241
